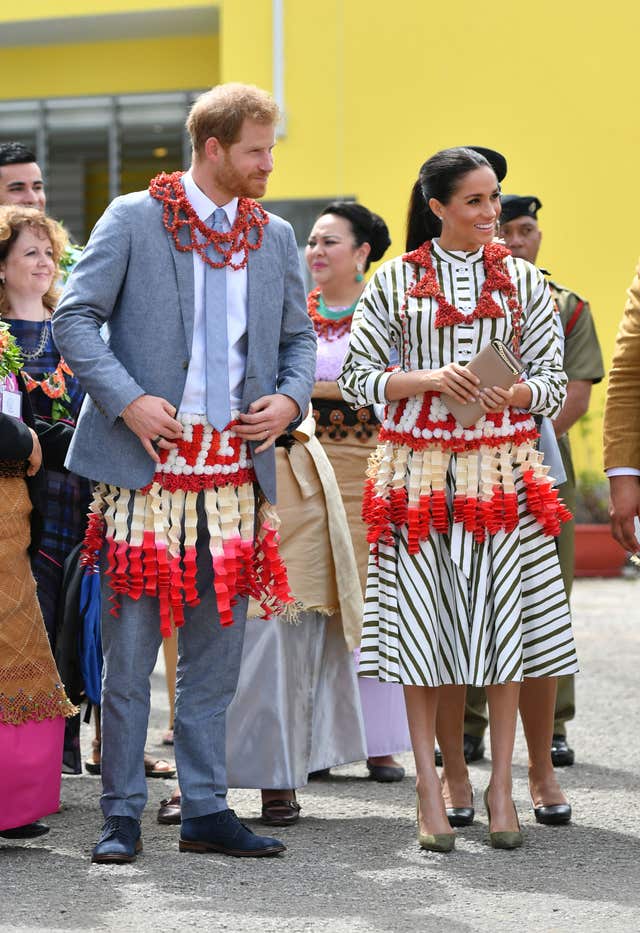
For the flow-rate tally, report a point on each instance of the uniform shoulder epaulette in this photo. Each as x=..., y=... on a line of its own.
x=562, y=289
x=564, y=298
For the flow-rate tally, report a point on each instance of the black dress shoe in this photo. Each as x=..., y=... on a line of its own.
x=223, y=832
x=169, y=812
x=119, y=842
x=561, y=755
x=554, y=815
x=473, y=749
x=460, y=816
x=28, y=831
x=385, y=774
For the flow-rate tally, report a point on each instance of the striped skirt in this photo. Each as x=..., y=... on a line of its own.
x=466, y=612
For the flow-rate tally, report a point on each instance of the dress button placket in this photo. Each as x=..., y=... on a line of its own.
x=465, y=304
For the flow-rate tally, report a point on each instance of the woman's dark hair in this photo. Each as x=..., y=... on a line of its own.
x=367, y=227
x=439, y=178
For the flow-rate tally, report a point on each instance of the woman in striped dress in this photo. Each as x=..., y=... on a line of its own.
x=463, y=582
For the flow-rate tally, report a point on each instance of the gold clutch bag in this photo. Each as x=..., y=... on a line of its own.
x=495, y=365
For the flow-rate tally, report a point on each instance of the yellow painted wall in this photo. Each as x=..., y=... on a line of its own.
x=52, y=9
x=374, y=88
x=115, y=67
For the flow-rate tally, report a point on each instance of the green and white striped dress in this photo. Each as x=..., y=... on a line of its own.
x=460, y=611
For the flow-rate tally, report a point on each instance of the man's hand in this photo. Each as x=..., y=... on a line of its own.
x=624, y=506
x=266, y=419
x=152, y=420
x=35, y=457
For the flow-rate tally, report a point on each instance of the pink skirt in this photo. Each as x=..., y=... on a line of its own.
x=30, y=768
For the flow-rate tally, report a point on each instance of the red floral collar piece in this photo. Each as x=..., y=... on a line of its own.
x=496, y=279
x=324, y=327
x=178, y=213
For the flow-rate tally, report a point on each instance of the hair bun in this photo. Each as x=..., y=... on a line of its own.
x=367, y=227
x=379, y=238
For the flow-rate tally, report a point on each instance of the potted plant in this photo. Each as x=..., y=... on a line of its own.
x=597, y=554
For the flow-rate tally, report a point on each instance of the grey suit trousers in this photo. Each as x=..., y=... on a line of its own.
x=208, y=668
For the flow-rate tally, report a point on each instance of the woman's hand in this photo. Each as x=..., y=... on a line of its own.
x=456, y=380
x=493, y=398
x=35, y=457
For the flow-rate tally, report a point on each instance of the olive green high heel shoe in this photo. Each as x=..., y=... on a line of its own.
x=506, y=838
x=434, y=842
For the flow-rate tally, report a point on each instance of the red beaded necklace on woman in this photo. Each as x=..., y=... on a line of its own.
x=177, y=213
x=496, y=279
x=329, y=328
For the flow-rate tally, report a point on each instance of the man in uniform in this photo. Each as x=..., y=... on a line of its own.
x=583, y=366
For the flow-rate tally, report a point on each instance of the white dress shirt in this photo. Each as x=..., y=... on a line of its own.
x=194, y=397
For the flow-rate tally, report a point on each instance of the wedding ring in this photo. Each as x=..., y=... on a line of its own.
x=157, y=439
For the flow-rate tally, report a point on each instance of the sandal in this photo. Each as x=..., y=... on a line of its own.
x=158, y=768
x=153, y=767
x=278, y=812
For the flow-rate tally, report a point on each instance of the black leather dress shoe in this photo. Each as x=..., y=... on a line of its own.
x=28, y=831
x=473, y=749
x=119, y=842
x=385, y=774
x=223, y=832
x=561, y=755
x=460, y=816
x=556, y=814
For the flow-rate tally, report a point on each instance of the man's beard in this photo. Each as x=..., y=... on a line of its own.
x=241, y=186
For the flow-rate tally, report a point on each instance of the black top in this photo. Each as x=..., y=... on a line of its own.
x=16, y=444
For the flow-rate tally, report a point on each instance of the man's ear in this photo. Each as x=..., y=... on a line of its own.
x=212, y=148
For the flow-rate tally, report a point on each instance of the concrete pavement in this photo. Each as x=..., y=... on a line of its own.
x=353, y=863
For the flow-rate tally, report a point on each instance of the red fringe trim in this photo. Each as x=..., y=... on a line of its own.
x=243, y=570
x=479, y=517
x=545, y=505
x=199, y=482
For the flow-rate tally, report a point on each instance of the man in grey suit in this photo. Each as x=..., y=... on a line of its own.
x=184, y=405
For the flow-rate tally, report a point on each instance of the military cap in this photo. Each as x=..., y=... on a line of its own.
x=516, y=205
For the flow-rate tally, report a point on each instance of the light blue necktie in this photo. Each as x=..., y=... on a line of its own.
x=215, y=306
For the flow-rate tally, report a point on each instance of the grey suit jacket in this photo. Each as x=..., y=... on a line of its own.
x=132, y=277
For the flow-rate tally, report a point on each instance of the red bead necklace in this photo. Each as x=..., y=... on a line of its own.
x=326, y=328
x=496, y=279
x=177, y=213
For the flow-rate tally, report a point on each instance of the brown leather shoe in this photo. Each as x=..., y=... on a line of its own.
x=169, y=811
x=278, y=812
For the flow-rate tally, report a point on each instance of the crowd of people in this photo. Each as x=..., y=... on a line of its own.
x=418, y=563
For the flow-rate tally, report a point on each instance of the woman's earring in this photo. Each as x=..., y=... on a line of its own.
x=359, y=275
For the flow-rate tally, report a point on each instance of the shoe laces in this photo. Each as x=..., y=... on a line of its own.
x=118, y=824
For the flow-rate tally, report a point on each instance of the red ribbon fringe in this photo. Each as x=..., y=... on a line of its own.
x=480, y=517
x=244, y=569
